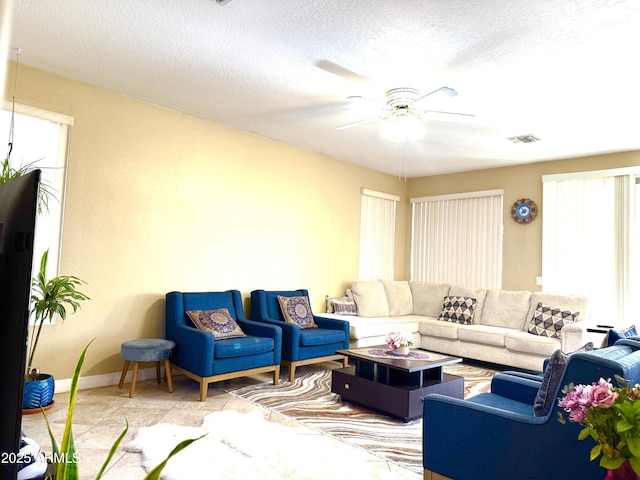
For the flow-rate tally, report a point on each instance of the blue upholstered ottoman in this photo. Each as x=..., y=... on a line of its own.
x=146, y=350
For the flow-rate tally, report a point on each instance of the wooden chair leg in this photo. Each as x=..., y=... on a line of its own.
x=167, y=373
x=204, y=386
x=134, y=379
x=292, y=371
x=345, y=362
x=158, y=372
x=276, y=375
x=124, y=373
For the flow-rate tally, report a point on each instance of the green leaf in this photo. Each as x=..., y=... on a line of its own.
x=634, y=446
x=584, y=433
x=155, y=473
x=595, y=452
x=67, y=448
x=113, y=450
x=635, y=464
x=623, y=425
x=611, y=463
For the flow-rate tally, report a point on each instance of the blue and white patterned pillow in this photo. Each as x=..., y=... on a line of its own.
x=458, y=309
x=218, y=322
x=297, y=310
x=548, y=321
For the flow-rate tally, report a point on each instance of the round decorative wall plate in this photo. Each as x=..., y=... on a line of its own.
x=524, y=210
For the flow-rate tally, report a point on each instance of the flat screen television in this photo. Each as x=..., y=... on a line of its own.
x=18, y=209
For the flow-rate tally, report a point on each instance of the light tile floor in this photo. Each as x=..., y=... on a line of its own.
x=100, y=415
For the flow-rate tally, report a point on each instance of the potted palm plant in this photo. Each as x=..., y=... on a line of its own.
x=49, y=297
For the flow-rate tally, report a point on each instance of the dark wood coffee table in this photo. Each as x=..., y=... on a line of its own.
x=394, y=385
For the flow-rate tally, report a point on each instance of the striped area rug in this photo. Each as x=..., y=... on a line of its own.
x=309, y=401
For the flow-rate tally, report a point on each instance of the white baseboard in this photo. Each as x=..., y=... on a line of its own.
x=104, y=380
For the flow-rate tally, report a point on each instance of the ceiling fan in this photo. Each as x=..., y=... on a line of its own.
x=403, y=113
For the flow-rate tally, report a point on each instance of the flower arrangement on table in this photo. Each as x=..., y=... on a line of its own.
x=611, y=416
x=398, y=339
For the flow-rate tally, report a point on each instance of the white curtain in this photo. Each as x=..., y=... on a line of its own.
x=587, y=240
x=457, y=239
x=377, y=235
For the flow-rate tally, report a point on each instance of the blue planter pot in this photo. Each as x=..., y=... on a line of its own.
x=38, y=393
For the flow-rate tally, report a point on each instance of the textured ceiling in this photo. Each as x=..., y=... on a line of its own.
x=567, y=71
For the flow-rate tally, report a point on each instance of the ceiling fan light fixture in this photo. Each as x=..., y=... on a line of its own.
x=399, y=129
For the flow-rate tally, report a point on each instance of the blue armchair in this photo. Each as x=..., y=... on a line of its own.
x=204, y=359
x=301, y=346
x=497, y=436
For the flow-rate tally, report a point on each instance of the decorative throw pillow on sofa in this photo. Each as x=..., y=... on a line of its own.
x=548, y=321
x=297, y=310
x=546, y=396
x=614, y=335
x=344, y=307
x=457, y=310
x=218, y=322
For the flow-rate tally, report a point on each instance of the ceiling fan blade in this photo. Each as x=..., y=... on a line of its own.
x=442, y=92
x=449, y=113
x=341, y=71
x=355, y=124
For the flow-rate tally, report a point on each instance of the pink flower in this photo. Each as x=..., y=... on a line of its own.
x=602, y=395
x=579, y=414
x=579, y=397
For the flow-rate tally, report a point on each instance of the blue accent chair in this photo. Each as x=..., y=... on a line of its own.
x=200, y=357
x=301, y=346
x=496, y=435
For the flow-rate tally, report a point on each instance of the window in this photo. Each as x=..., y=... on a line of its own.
x=377, y=235
x=590, y=240
x=42, y=137
x=457, y=239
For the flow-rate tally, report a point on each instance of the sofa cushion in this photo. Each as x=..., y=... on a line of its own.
x=524, y=342
x=548, y=321
x=483, y=334
x=427, y=297
x=547, y=394
x=506, y=308
x=370, y=298
x=457, y=310
x=435, y=328
x=320, y=336
x=398, y=297
x=480, y=294
x=244, y=346
x=218, y=322
x=297, y=310
x=573, y=303
x=364, y=327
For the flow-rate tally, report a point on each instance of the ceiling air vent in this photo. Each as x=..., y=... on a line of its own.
x=530, y=138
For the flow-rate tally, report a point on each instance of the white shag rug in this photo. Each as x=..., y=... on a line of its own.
x=242, y=446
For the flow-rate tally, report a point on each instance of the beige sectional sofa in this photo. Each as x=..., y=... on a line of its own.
x=498, y=329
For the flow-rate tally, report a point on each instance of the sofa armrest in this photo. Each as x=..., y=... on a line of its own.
x=516, y=387
x=575, y=335
x=194, y=349
x=264, y=329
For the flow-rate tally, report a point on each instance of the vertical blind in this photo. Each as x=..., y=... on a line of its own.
x=587, y=239
x=457, y=239
x=377, y=235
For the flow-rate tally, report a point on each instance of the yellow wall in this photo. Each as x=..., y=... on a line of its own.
x=522, y=248
x=158, y=201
